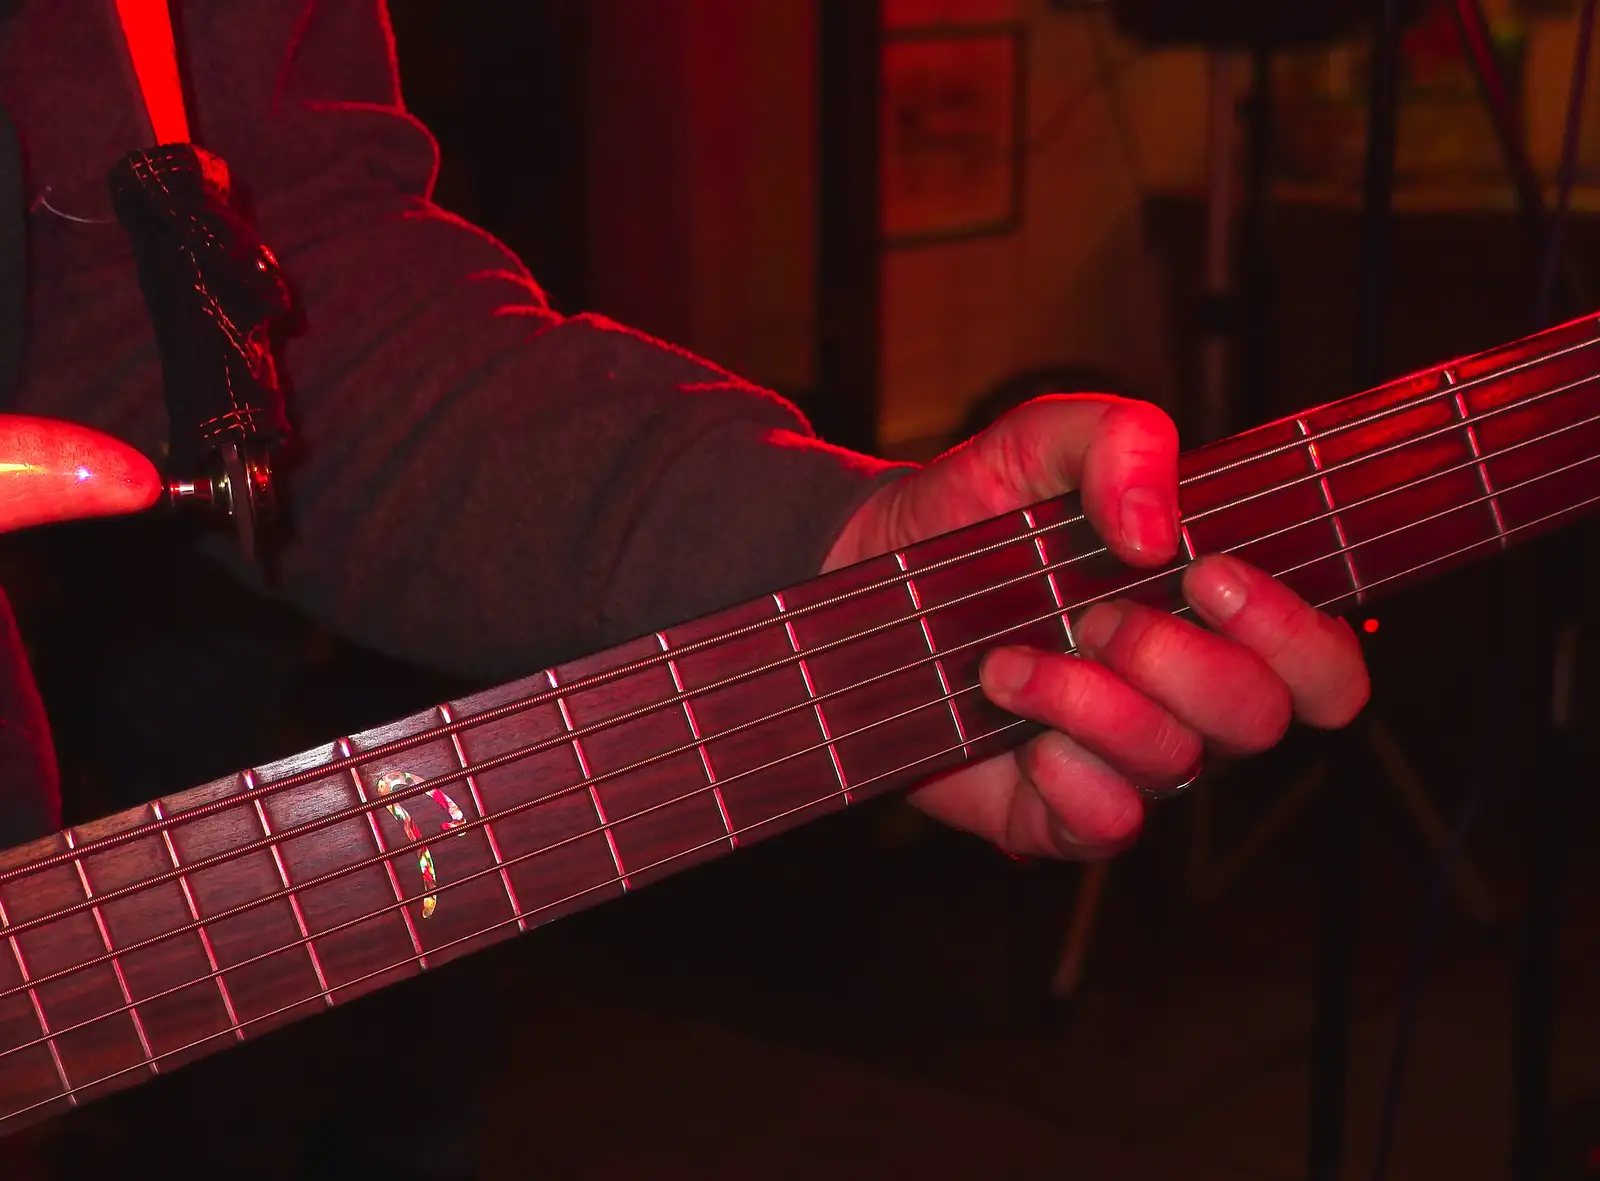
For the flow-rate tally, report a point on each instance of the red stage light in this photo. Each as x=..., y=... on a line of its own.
x=1369, y=626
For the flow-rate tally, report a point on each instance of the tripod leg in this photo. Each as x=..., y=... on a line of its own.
x=1533, y=1018
x=1475, y=896
x=1069, y=970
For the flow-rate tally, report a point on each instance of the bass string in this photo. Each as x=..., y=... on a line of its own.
x=722, y=784
x=454, y=725
x=566, y=691
x=409, y=960
x=361, y=810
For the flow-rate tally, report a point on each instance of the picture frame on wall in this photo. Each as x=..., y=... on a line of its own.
x=951, y=133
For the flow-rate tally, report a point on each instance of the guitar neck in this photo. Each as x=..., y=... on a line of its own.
x=158, y=935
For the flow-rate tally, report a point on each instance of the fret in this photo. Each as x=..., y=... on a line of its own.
x=1032, y=518
x=763, y=731
x=1224, y=509
x=39, y=1015
x=194, y=915
x=594, y=792
x=811, y=692
x=345, y=750
x=999, y=598
x=705, y=755
x=1326, y=489
x=1538, y=433
x=1405, y=484
x=294, y=901
x=933, y=650
x=447, y=716
x=858, y=681
x=1470, y=432
x=646, y=769
x=550, y=835
x=116, y=963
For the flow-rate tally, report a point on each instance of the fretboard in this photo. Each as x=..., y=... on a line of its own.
x=142, y=941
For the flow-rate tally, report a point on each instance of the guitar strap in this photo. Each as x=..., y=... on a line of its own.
x=147, y=32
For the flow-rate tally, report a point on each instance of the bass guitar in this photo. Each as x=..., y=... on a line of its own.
x=137, y=943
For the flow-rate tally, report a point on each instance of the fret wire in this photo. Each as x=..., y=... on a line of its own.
x=475, y=875
x=1424, y=565
x=1464, y=414
x=488, y=828
x=1050, y=575
x=588, y=779
x=1165, y=573
x=1333, y=509
x=657, y=864
x=497, y=712
x=1467, y=549
x=705, y=755
x=1388, y=448
x=199, y=927
x=71, y=1093
x=933, y=650
x=388, y=863
x=1408, y=572
x=1416, y=403
x=116, y=962
x=294, y=900
x=45, y=1033
x=812, y=699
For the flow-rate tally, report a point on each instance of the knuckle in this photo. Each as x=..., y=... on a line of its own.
x=1175, y=748
x=1264, y=725
x=1071, y=691
x=1144, y=644
x=1044, y=760
x=1272, y=716
x=1148, y=421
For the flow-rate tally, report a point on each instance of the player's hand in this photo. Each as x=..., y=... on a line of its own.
x=1148, y=694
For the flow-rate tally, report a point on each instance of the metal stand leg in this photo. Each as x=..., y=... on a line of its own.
x=1534, y=1015
x=1342, y=810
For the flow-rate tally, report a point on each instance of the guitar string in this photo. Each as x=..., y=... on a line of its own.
x=568, y=691
x=412, y=959
x=397, y=746
x=503, y=865
x=406, y=961
x=802, y=705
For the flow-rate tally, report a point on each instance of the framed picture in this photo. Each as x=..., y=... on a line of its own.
x=951, y=133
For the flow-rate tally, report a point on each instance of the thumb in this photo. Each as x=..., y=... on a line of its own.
x=1121, y=454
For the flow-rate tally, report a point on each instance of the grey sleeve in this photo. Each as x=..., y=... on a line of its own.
x=486, y=487
x=481, y=485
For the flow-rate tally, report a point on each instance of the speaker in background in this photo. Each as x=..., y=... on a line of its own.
x=1246, y=24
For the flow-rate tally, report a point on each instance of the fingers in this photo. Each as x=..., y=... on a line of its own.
x=1087, y=810
x=1148, y=692
x=1221, y=689
x=1316, y=657
x=1121, y=454
x=1144, y=741
x=1050, y=798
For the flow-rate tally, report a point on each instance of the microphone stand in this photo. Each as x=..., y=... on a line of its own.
x=1342, y=807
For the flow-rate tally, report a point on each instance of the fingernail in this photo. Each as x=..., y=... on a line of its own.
x=1095, y=630
x=1219, y=588
x=1066, y=840
x=1007, y=669
x=1147, y=523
